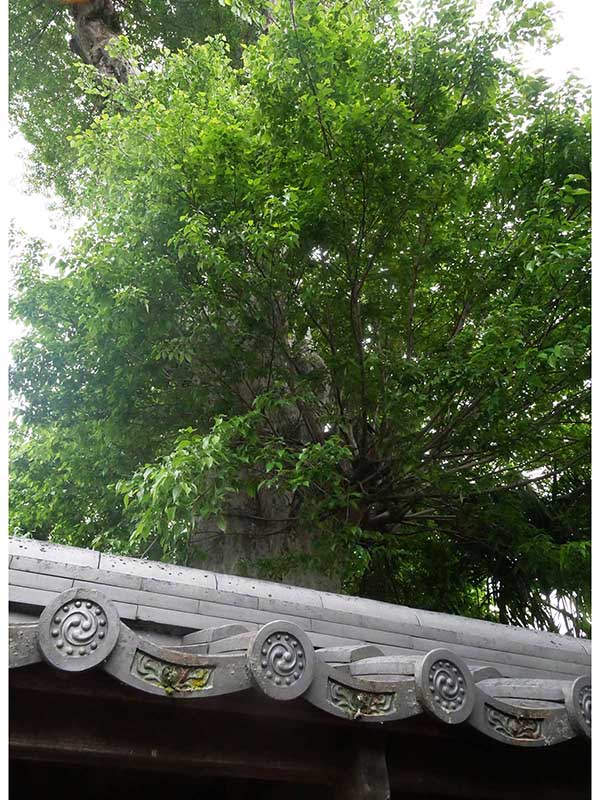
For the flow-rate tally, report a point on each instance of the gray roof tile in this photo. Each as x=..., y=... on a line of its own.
x=175, y=599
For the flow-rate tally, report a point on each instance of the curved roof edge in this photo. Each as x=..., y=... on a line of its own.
x=81, y=629
x=175, y=599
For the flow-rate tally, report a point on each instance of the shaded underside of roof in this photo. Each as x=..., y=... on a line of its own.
x=114, y=741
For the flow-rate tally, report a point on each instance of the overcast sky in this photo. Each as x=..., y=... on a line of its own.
x=33, y=213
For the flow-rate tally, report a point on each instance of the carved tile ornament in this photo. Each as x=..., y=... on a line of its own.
x=281, y=660
x=584, y=701
x=171, y=677
x=578, y=701
x=356, y=703
x=81, y=629
x=512, y=726
x=78, y=630
x=445, y=686
x=79, y=626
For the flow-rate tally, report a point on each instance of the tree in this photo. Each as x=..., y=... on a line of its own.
x=48, y=39
x=332, y=301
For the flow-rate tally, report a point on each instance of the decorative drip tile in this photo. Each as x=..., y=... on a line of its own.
x=171, y=677
x=356, y=703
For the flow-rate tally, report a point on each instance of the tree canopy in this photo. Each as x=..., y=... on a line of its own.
x=338, y=269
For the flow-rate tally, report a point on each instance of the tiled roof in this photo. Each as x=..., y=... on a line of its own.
x=187, y=632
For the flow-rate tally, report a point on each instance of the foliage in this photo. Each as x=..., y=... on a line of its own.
x=202, y=472
x=46, y=102
x=352, y=271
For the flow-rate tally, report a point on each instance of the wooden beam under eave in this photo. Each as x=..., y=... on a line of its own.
x=367, y=775
x=90, y=718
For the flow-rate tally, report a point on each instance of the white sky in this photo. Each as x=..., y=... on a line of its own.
x=31, y=211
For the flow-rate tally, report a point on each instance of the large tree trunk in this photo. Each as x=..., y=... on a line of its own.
x=264, y=528
x=96, y=24
x=257, y=532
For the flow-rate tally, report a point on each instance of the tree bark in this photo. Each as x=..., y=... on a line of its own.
x=96, y=24
x=264, y=527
